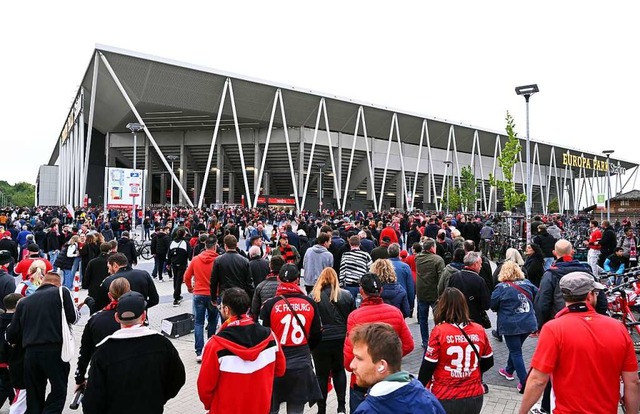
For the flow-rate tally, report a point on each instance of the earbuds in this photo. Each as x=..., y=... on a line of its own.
x=380, y=369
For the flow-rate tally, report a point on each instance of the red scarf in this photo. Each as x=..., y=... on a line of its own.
x=236, y=321
x=111, y=306
x=288, y=288
x=287, y=254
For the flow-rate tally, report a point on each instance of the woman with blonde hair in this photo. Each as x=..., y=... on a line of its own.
x=512, y=255
x=393, y=292
x=35, y=274
x=512, y=300
x=334, y=305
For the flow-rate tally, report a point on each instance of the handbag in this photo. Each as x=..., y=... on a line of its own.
x=475, y=350
x=68, y=342
x=484, y=320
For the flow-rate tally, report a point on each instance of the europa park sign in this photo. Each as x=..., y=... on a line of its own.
x=591, y=164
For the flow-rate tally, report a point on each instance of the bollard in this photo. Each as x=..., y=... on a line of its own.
x=76, y=288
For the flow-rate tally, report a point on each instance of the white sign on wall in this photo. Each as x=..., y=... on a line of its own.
x=124, y=186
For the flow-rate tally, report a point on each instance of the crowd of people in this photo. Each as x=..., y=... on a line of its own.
x=294, y=308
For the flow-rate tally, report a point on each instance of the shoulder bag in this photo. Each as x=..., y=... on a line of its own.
x=68, y=343
x=295, y=315
x=519, y=289
x=475, y=350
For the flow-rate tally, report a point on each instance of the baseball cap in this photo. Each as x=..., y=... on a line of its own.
x=579, y=283
x=370, y=283
x=131, y=305
x=5, y=257
x=289, y=273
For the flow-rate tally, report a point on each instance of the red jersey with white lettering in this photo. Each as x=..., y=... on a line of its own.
x=457, y=373
x=277, y=314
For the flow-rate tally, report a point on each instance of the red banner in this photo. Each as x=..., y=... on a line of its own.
x=276, y=200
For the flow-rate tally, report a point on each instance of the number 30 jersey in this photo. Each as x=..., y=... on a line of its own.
x=277, y=315
x=457, y=374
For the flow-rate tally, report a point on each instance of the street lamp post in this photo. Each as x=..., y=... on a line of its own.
x=608, y=154
x=448, y=164
x=134, y=127
x=527, y=91
x=321, y=167
x=172, y=159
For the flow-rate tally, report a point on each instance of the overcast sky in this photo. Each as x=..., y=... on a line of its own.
x=454, y=60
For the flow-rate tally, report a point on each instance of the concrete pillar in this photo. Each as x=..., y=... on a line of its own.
x=400, y=194
x=256, y=165
x=265, y=183
x=219, y=172
x=163, y=187
x=197, y=184
x=426, y=188
x=232, y=188
x=300, y=166
x=337, y=156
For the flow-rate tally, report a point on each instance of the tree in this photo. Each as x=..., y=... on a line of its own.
x=468, y=189
x=553, y=206
x=507, y=160
x=21, y=194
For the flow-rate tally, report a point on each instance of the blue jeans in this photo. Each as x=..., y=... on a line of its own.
x=515, y=361
x=67, y=278
x=201, y=307
x=548, y=261
x=423, y=318
x=52, y=258
x=76, y=267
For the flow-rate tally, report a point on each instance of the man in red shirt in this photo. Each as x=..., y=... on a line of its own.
x=34, y=254
x=200, y=271
x=580, y=385
x=594, y=246
x=373, y=309
x=242, y=356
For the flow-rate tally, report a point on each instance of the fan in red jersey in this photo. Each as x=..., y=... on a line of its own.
x=458, y=352
x=295, y=320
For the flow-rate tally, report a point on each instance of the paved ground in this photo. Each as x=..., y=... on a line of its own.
x=502, y=397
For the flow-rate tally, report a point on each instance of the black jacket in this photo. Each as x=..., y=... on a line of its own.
x=334, y=314
x=546, y=242
x=475, y=291
x=133, y=375
x=88, y=252
x=259, y=269
x=53, y=242
x=7, y=285
x=38, y=319
x=139, y=280
x=160, y=242
x=94, y=274
x=11, y=246
x=608, y=242
x=99, y=326
x=127, y=247
x=549, y=299
x=231, y=270
x=13, y=355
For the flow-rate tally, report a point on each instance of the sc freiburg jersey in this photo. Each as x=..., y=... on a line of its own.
x=457, y=374
x=277, y=315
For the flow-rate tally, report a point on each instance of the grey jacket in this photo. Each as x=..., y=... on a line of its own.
x=315, y=260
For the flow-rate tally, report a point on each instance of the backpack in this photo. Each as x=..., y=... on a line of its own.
x=177, y=256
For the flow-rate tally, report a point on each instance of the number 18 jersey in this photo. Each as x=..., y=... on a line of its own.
x=277, y=315
x=457, y=373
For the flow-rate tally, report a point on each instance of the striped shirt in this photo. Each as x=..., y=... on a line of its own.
x=353, y=265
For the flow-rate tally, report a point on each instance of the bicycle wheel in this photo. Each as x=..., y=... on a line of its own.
x=145, y=252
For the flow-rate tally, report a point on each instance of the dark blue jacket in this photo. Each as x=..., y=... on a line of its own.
x=405, y=278
x=408, y=399
x=294, y=240
x=394, y=294
x=549, y=300
x=367, y=245
x=515, y=310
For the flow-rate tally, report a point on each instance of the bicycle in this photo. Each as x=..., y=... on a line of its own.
x=143, y=249
x=621, y=300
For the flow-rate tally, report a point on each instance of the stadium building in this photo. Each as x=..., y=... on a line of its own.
x=220, y=138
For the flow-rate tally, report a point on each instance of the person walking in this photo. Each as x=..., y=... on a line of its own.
x=334, y=305
x=37, y=325
x=178, y=258
x=459, y=352
x=316, y=259
x=353, y=264
x=197, y=278
x=267, y=288
x=295, y=320
x=139, y=280
x=392, y=292
x=127, y=247
x=546, y=242
x=429, y=268
x=133, y=356
x=575, y=331
x=160, y=242
x=474, y=289
x=403, y=275
x=242, y=355
x=230, y=269
x=534, y=264
x=512, y=300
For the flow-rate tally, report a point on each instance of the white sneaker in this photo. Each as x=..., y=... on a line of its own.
x=199, y=359
x=537, y=409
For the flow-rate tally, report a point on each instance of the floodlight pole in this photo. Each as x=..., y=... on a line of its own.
x=447, y=164
x=134, y=127
x=527, y=91
x=608, y=154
